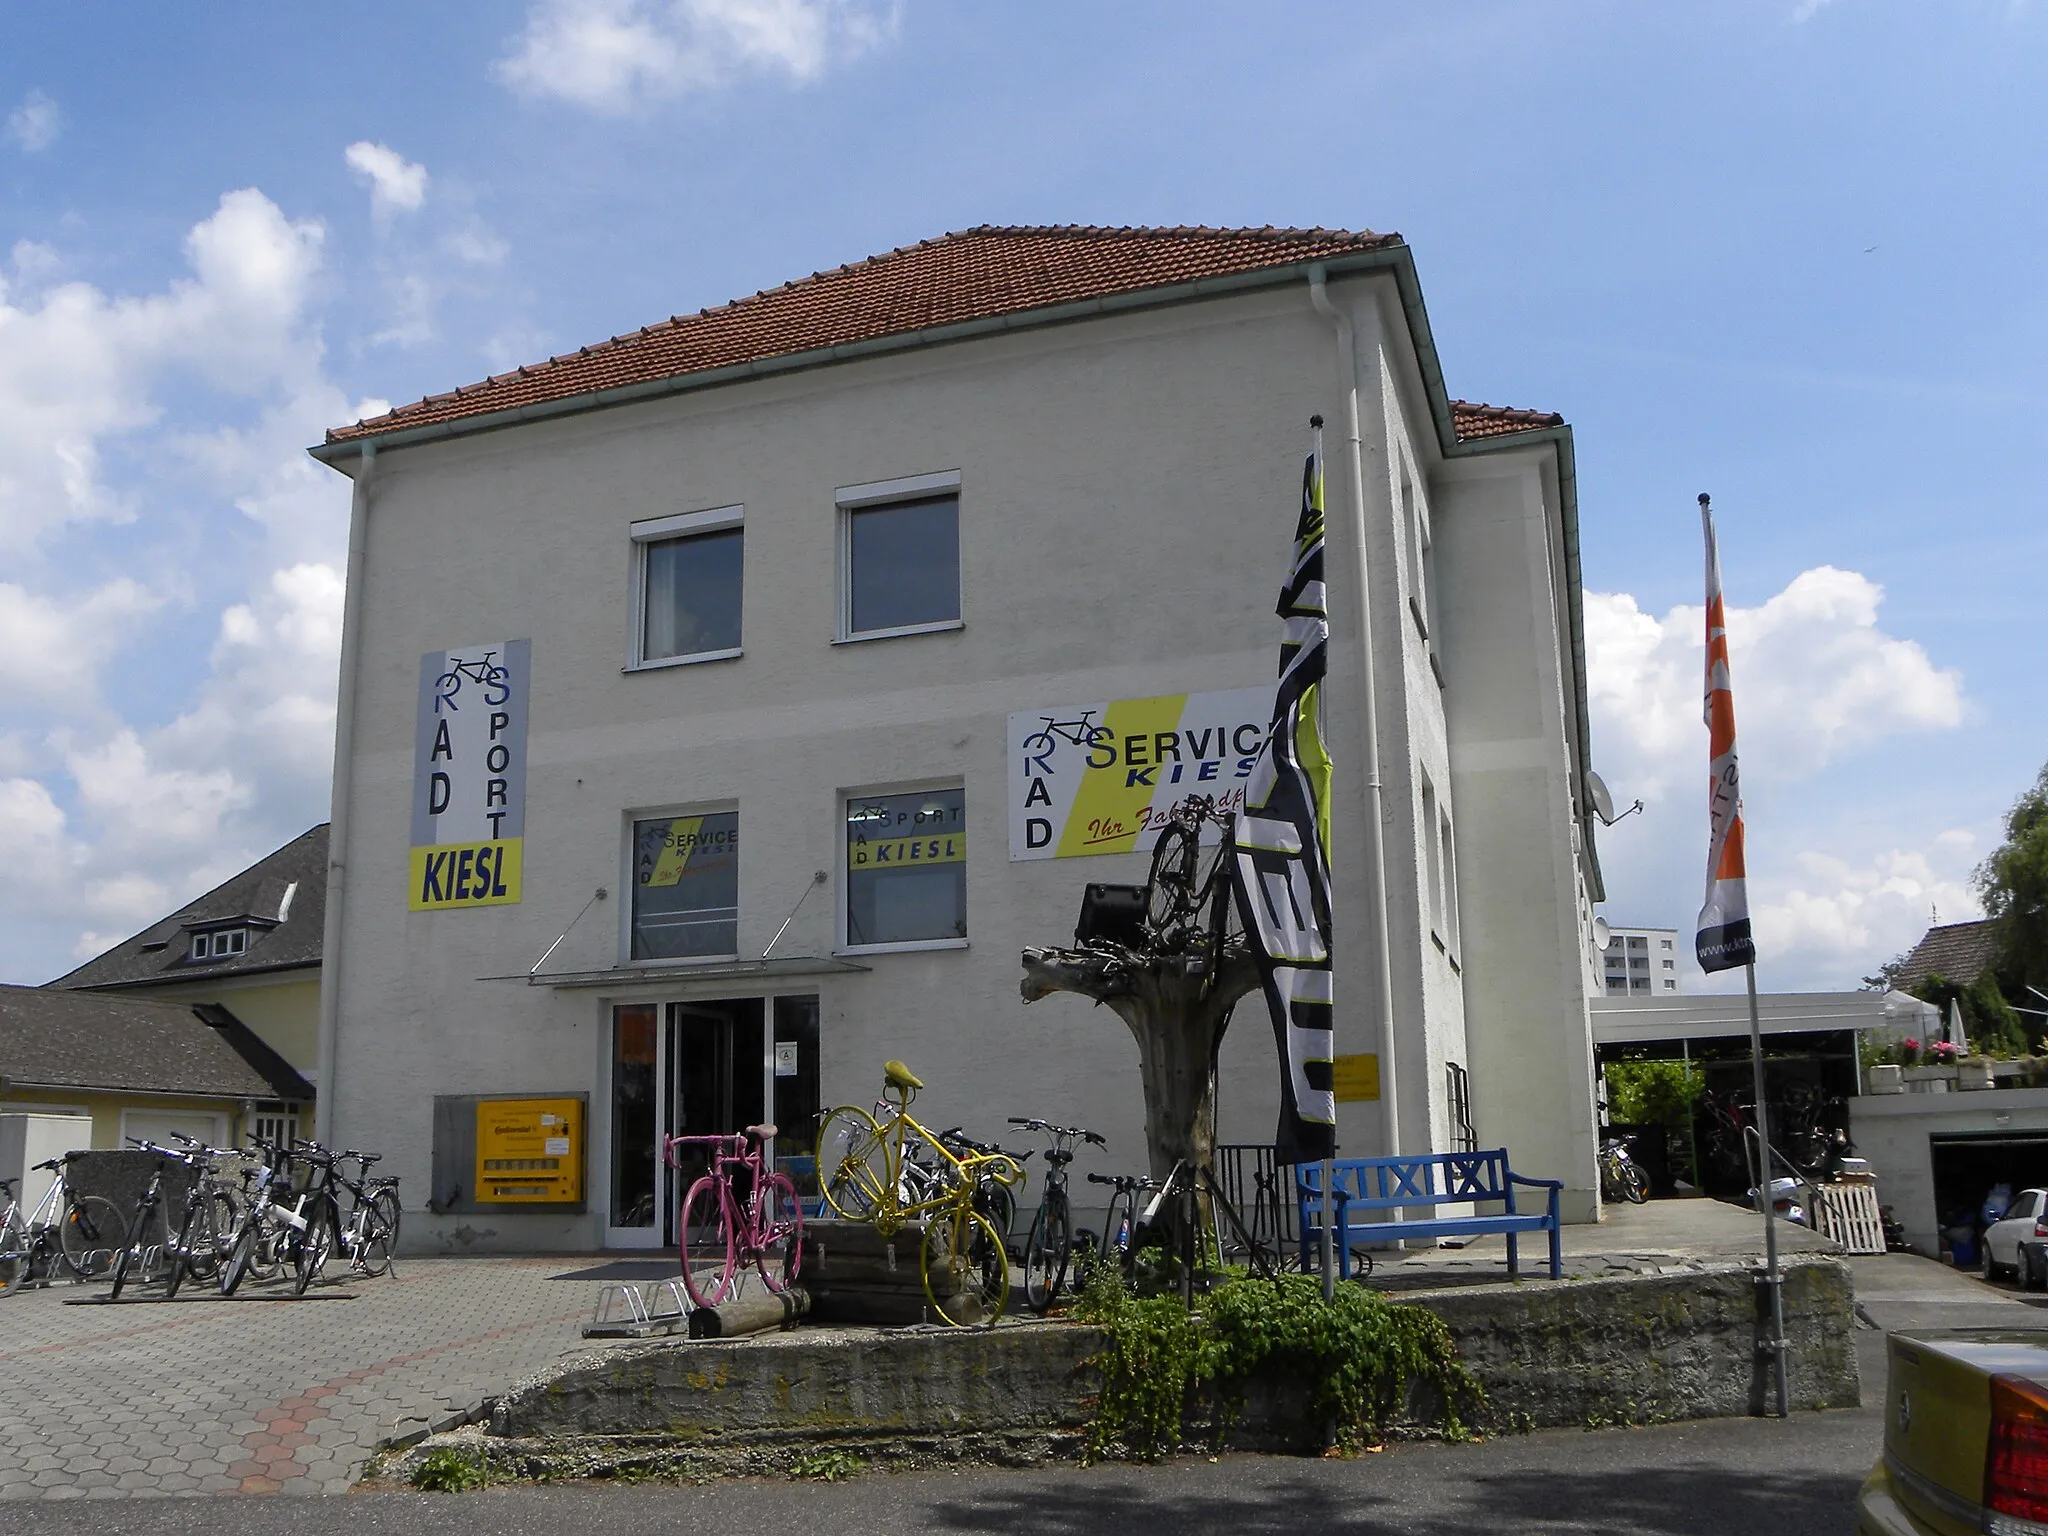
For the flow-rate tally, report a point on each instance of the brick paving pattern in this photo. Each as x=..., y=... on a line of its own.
x=256, y=1395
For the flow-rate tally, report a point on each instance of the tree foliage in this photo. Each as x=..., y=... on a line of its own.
x=2013, y=884
x=1988, y=1019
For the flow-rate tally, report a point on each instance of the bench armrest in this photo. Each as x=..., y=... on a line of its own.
x=1516, y=1178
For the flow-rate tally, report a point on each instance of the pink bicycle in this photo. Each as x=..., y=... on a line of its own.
x=737, y=1214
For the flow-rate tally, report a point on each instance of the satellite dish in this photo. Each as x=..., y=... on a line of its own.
x=1603, y=802
x=1601, y=933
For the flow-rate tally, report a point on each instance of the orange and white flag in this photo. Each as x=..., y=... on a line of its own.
x=1723, y=940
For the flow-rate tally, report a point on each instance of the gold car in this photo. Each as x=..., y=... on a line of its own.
x=1965, y=1437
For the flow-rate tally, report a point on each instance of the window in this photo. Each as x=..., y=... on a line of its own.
x=1635, y=943
x=1458, y=1098
x=906, y=868
x=1669, y=966
x=1419, y=542
x=1639, y=962
x=899, y=557
x=1432, y=860
x=687, y=583
x=1664, y=943
x=220, y=945
x=1670, y=986
x=1450, y=882
x=1617, y=984
x=1639, y=984
x=277, y=1124
x=686, y=886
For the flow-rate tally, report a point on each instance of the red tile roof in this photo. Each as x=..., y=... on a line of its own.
x=1957, y=952
x=976, y=274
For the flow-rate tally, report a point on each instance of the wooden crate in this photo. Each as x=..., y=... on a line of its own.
x=1848, y=1214
x=855, y=1275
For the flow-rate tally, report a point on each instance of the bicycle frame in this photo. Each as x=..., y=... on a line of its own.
x=959, y=1175
x=751, y=1229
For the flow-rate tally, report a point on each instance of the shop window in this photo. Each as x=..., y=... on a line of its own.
x=688, y=576
x=906, y=868
x=686, y=886
x=635, y=1044
x=899, y=557
x=797, y=1102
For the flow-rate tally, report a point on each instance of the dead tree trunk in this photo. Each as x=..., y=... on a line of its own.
x=1178, y=1020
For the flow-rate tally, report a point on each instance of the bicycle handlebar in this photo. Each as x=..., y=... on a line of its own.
x=1124, y=1180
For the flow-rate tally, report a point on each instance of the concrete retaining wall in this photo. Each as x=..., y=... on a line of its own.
x=1632, y=1349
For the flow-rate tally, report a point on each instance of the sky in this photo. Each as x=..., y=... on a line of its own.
x=1783, y=251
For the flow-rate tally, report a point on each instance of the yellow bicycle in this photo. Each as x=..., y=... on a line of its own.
x=893, y=1171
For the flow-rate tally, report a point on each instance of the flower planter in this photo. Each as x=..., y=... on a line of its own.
x=1972, y=1076
x=1886, y=1078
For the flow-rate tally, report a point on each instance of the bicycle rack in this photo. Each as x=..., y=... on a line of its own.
x=628, y=1310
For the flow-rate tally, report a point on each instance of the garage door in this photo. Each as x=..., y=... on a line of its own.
x=157, y=1125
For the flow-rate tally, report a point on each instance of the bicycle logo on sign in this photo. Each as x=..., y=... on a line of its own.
x=1043, y=742
x=496, y=681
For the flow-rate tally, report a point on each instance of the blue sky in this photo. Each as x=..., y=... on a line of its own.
x=1780, y=250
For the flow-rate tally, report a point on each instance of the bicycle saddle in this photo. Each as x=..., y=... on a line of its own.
x=900, y=1076
x=765, y=1131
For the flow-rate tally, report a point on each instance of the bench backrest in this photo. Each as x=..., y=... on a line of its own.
x=1389, y=1183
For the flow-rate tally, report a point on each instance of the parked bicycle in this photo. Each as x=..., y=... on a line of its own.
x=1621, y=1177
x=1187, y=894
x=66, y=1230
x=206, y=1224
x=366, y=1238
x=1119, y=1227
x=1049, y=1247
x=263, y=1232
x=965, y=1267
x=145, y=1249
x=736, y=1214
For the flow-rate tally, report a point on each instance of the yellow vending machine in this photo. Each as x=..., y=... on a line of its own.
x=529, y=1151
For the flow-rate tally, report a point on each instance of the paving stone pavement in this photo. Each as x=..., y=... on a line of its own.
x=263, y=1394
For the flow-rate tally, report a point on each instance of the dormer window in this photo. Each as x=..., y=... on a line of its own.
x=220, y=945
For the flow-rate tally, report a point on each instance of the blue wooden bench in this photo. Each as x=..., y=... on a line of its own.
x=1367, y=1193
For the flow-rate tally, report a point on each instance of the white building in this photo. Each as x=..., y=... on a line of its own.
x=788, y=625
x=1641, y=962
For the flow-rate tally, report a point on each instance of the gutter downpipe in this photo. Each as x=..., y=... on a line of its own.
x=337, y=816
x=1375, y=831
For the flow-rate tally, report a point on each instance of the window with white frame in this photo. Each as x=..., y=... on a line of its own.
x=687, y=580
x=1421, y=559
x=1449, y=863
x=219, y=944
x=1432, y=859
x=686, y=886
x=906, y=868
x=899, y=557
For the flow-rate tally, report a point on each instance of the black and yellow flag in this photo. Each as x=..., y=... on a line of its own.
x=1281, y=863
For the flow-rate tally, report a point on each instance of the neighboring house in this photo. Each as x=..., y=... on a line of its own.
x=837, y=637
x=1958, y=952
x=142, y=1068
x=251, y=945
x=1641, y=962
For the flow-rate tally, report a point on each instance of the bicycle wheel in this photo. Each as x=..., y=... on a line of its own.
x=855, y=1164
x=1045, y=1255
x=14, y=1253
x=707, y=1245
x=1635, y=1184
x=316, y=1244
x=87, y=1235
x=966, y=1273
x=177, y=1261
x=379, y=1233
x=1170, y=884
x=241, y=1257
x=781, y=1225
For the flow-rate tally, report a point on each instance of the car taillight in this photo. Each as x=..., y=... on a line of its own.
x=2016, y=1459
x=2041, y=1228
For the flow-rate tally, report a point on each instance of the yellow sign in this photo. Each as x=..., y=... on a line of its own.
x=894, y=852
x=1356, y=1078
x=467, y=875
x=529, y=1150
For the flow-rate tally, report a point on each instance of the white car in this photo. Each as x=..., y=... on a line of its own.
x=2002, y=1238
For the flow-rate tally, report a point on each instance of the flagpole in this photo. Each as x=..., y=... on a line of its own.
x=1773, y=1281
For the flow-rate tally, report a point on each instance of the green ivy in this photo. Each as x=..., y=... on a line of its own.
x=1356, y=1357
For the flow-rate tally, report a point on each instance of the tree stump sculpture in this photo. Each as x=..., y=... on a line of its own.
x=1176, y=1012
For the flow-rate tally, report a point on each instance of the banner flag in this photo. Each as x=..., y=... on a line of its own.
x=1280, y=868
x=1723, y=941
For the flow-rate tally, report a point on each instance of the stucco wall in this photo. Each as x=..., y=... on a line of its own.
x=1893, y=1132
x=1128, y=491
x=283, y=1011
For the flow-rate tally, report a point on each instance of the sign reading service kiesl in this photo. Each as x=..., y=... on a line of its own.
x=1100, y=778
x=469, y=776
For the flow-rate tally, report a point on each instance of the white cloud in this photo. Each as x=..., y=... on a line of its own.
x=1815, y=679
x=78, y=367
x=613, y=55
x=1843, y=917
x=395, y=182
x=33, y=126
x=52, y=646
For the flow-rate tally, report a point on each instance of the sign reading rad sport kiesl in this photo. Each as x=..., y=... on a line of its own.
x=1100, y=778
x=469, y=776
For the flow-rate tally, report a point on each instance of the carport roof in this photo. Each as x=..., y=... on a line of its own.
x=50, y=1038
x=1720, y=1016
